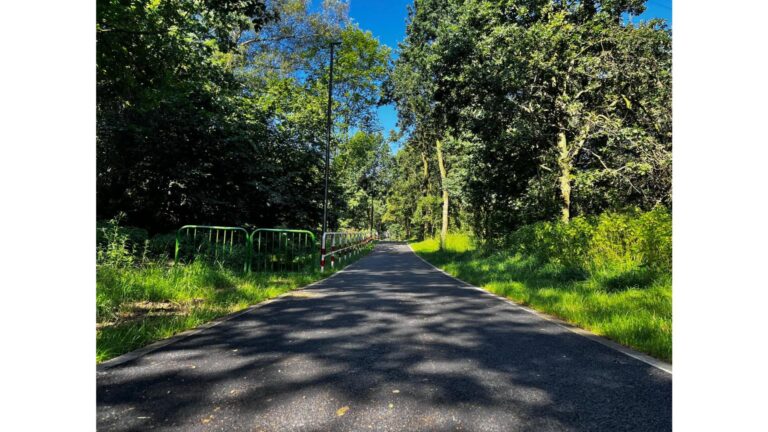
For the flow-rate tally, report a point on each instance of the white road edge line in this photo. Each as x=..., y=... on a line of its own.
x=141, y=352
x=658, y=364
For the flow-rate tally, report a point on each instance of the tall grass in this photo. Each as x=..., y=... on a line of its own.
x=610, y=274
x=140, y=300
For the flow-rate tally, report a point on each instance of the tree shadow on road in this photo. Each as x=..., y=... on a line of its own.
x=403, y=347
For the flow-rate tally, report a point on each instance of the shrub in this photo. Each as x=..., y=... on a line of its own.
x=617, y=241
x=135, y=238
x=655, y=229
x=120, y=246
x=115, y=247
x=459, y=242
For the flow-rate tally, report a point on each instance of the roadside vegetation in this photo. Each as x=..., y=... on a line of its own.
x=141, y=297
x=610, y=274
x=534, y=126
x=214, y=113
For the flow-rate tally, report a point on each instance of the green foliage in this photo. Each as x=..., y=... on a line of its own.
x=362, y=165
x=116, y=245
x=214, y=112
x=138, y=304
x=608, y=241
x=655, y=230
x=610, y=274
x=456, y=242
x=511, y=79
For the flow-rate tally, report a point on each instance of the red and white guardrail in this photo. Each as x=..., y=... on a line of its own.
x=343, y=245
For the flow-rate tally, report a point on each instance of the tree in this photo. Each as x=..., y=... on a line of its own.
x=214, y=111
x=586, y=75
x=552, y=91
x=362, y=165
x=288, y=68
x=409, y=211
x=170, y=118
x=413, y=92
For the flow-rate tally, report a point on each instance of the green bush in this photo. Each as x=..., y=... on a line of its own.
x=135, y=238
x=555, y=242
x=455, y=242
x=115, y=246
x=656, y=234
x=623, y=241
x=614, y=243
x=118, y=245
x=610, y=274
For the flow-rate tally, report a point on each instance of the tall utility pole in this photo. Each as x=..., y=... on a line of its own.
x=328, y=141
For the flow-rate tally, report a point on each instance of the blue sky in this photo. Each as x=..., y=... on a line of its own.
x=386, y=20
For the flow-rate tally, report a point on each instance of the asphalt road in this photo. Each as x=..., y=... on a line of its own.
x=391, y=344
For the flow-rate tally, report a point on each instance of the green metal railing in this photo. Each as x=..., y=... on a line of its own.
x=263, y=250
x=228, y=246
x=275, y=249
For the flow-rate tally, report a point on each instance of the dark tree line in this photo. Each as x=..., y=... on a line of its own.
x=213, y=112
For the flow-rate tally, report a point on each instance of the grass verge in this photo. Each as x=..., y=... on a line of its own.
x=630, y=306
x=138, y=305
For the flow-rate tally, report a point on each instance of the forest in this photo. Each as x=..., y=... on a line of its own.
x=510, y=112
x=523, y=111
x=214, y=112
x=534, y=143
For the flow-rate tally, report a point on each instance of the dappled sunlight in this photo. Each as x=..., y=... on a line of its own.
x=640, y=298
x=351, y=341
x=199, y=291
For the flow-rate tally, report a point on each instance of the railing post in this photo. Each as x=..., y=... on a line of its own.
x=248, y=251
x=322, y=253
x=178, y=246
x=333, y=246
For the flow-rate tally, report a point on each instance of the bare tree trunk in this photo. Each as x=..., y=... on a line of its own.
x=564, y=163
x=443, y=175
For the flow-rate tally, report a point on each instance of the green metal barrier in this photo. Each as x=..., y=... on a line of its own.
x=228, y=246
x=275, y=249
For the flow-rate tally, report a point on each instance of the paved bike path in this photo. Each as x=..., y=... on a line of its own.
x=391, y=344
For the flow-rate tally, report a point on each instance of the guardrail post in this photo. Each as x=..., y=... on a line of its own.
x=343, y=246
x=322, y=253
x=248, y=251
x=333, y=247
x=178, y=246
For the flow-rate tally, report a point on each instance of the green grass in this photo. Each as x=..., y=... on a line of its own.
x=137, y=305
x=631, y=306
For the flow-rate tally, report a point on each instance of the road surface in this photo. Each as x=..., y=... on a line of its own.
x=391, y=344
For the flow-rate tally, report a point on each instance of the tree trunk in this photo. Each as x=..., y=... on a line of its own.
x=407, y=229
x=427, y=211
x=564, y=163
x=443, y=175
